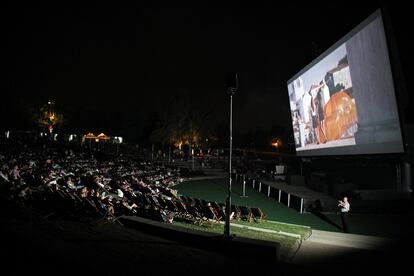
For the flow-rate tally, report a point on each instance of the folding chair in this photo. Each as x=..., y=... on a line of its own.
x=236, y=211
x=219, y=209
x=210, y=214
x=258, y=214
x=246, y=213
x=195, y=215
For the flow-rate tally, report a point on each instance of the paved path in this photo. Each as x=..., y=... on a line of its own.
x=330, y=253
x=322, y=246
x=347, y=240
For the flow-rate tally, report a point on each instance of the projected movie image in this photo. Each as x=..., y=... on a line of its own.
x=344, y=102
x=324, y=111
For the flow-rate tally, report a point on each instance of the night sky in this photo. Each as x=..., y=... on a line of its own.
x=113, y=68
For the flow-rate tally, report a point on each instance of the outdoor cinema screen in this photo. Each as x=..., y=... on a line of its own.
x=344, y=101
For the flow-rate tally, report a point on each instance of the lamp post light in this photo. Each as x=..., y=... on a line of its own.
x=192, y=154
x=231, y=90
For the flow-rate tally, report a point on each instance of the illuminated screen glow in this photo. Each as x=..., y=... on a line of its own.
x=344, y=101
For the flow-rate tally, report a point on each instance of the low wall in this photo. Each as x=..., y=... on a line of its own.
x=237, y=247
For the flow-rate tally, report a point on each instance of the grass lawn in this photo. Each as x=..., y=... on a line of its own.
x=385, y=225
x=288, y=244
x=216, y=190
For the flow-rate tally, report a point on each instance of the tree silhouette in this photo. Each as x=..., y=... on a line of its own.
x=180, y=124
x=48, y=117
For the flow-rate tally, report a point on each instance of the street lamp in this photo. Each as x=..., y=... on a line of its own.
x=231, y=85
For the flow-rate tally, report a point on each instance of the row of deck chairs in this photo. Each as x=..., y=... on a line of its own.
x=63, y=203
x=201, y=211
x=193, y=209
x=180, y=209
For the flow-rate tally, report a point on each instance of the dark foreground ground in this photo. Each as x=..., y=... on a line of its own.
x=31, y=244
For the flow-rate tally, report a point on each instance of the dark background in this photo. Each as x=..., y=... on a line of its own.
x=117, y=69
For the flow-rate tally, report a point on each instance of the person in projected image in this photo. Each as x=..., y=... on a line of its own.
x=314, y=118
x=321, y=117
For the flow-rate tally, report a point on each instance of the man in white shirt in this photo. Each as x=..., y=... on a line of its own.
x=345, y=207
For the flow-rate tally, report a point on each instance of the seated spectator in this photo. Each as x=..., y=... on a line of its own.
x=165, y=216
x=131, y=207
x=15, y=173
x=84, y=192
x=70, y=184
x=120, y=194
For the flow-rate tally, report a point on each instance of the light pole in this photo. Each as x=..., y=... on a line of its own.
x=231, y=90
x=192, y=154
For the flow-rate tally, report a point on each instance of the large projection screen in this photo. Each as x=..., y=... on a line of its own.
x=344, y=102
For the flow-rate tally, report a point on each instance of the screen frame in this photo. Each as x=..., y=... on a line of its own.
x=354, y=150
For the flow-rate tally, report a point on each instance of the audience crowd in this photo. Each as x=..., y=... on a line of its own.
x=52, y=178
x=68, y=180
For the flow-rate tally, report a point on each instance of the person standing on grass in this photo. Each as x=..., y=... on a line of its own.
x=344, y=207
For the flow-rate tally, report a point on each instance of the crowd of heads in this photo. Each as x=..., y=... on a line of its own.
x=39, y=173
x=69, y=180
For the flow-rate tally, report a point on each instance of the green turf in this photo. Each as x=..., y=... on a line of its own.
x=216, y=190
x=288, y=245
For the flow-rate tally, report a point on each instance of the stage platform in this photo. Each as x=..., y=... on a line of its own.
x=312, y=200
